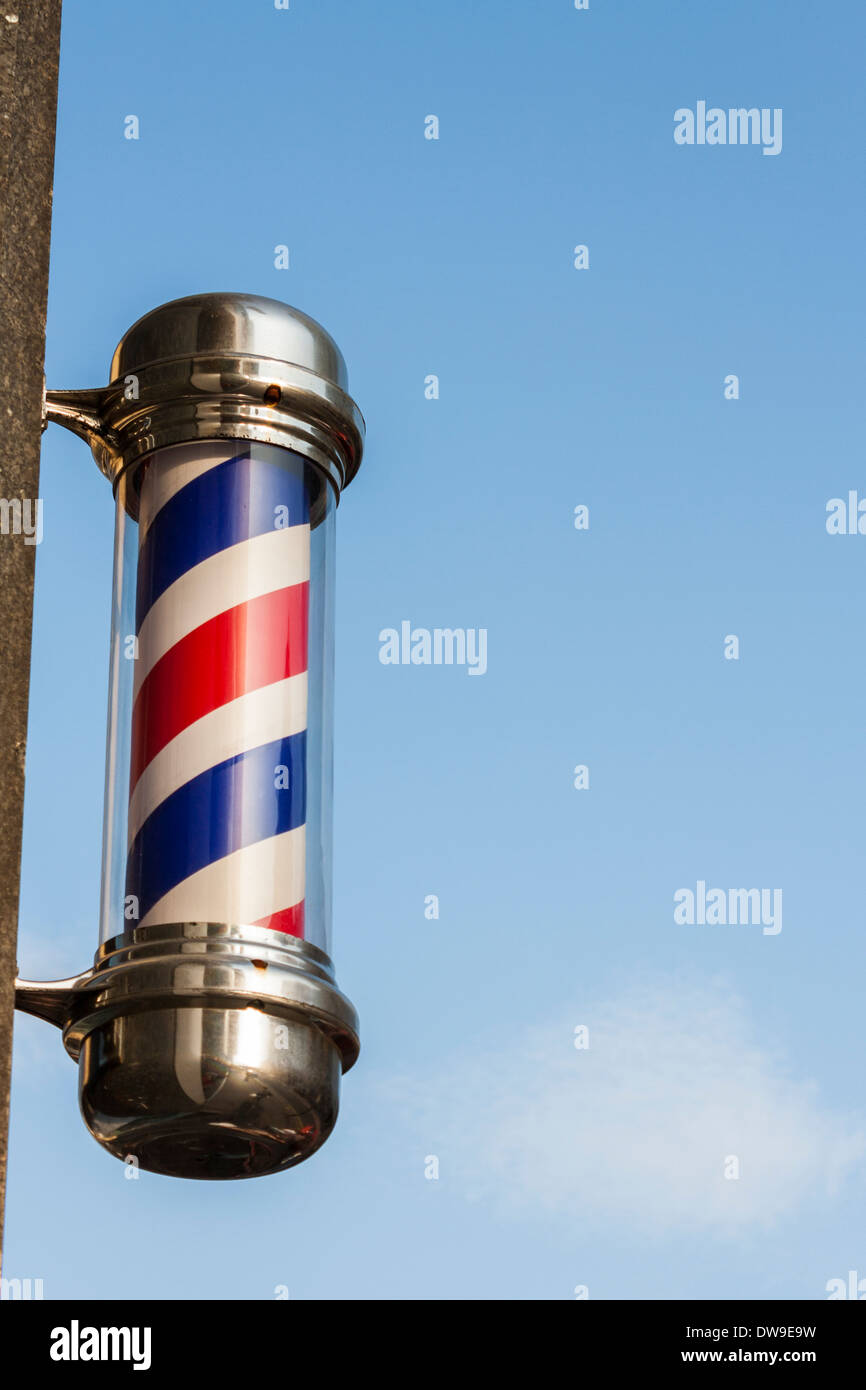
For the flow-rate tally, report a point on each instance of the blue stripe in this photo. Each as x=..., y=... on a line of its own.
x=232, y=502
x=235, y=804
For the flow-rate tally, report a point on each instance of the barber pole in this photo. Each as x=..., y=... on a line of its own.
x=210, y=1033
x=218, y=775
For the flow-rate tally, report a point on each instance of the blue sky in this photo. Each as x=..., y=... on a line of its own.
x=558, y=387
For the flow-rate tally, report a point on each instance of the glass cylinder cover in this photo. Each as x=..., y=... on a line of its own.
x=219, y=759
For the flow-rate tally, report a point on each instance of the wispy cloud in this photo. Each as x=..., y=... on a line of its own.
x=641, y=1127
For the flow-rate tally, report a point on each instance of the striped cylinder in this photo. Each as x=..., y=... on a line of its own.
x=217, y=805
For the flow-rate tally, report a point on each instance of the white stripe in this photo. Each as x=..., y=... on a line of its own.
x=240, y=888
x=244, y=571
x=172, y=468
x=261, y=716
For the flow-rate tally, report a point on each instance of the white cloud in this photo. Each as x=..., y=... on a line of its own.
x=636, y=1130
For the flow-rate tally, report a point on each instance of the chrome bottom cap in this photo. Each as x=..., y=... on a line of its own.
x=212, y=1093
x=205, y=1050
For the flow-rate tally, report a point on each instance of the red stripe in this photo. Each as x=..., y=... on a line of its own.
x=243, y=649
x=290, y=920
